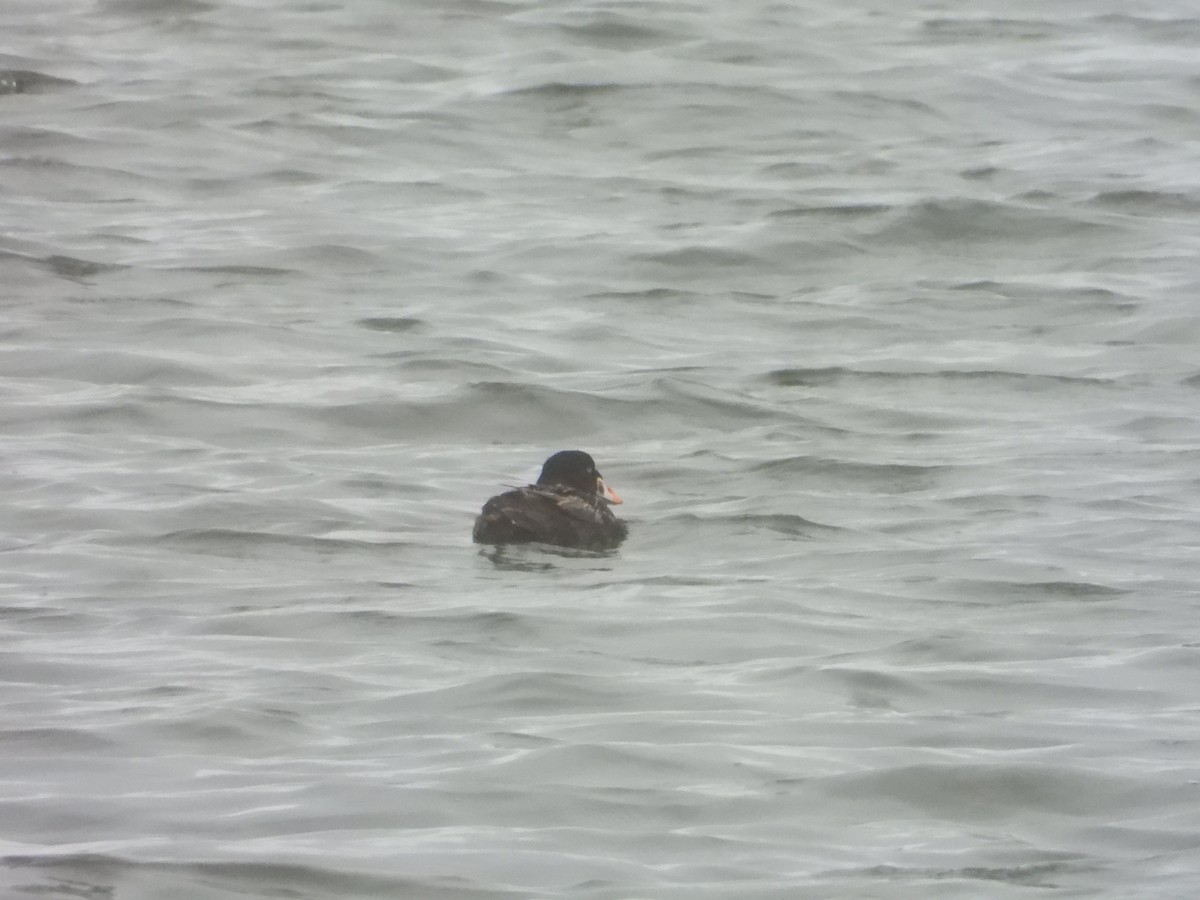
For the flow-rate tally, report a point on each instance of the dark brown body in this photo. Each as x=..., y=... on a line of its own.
x=549, y=515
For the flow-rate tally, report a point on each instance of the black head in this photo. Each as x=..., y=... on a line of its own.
x=576, y=470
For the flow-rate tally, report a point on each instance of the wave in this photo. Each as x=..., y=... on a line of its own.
x=101, y=875
x=24, y=81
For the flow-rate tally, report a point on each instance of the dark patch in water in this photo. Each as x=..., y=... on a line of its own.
x=391, y=324
x=77, y=269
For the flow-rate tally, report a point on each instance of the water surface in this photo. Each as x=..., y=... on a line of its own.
x=880, y=319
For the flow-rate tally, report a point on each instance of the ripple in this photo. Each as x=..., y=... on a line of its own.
x=893, y=477
x=21, y=81
x=802, y=377
x=97, y=875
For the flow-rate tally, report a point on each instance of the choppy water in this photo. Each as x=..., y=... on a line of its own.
x=883, y=320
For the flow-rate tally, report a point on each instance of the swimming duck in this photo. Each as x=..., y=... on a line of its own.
x=568, y=507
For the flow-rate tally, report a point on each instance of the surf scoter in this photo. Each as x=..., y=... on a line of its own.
x=568, y=507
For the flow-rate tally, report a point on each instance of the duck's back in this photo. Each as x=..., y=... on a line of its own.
x=537, y=515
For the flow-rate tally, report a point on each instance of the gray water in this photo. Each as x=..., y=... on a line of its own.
x=882, y=318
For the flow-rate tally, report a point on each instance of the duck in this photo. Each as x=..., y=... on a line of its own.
x=569, y=506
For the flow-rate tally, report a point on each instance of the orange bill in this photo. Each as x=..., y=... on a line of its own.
x=606, y=492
